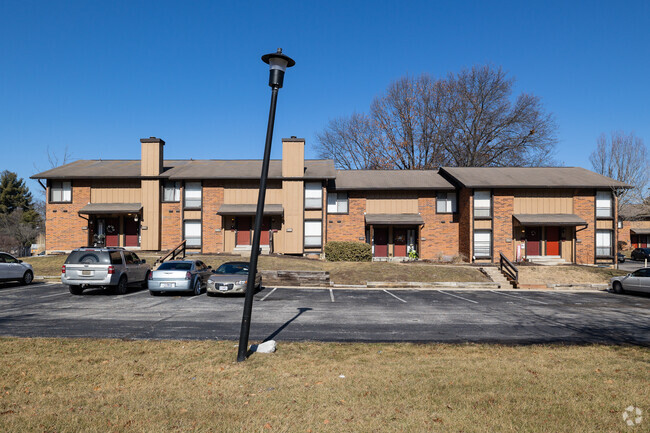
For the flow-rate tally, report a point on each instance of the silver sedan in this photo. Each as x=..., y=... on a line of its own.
x=231, y=277
x=179, y=276
x=637, y=281
x=12, y=269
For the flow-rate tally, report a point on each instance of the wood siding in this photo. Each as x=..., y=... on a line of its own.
x=152, y=159
x=150, y=215
x=605, y=224
x=293, y=158
x=248, y=192
x=115, y=192
x=543, y=202
x=483, y=224
x=392, y=203
x=293, y=204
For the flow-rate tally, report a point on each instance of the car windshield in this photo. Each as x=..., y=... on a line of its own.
x=232, y=268
x=175, y=266
x=88, y=257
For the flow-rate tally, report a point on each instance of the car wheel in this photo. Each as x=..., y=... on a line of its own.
x=197, y=287
x=618, y=287
x=76, y=290
x=122, y=285
x=146, y=278
x=28, y=278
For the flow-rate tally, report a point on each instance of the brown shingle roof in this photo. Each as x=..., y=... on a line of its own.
x=529, y=177
x=390, y=179
x=550, y=219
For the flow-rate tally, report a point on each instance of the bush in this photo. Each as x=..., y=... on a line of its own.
x=348, y=252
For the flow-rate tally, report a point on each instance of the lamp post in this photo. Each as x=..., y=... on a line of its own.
x=278, y=63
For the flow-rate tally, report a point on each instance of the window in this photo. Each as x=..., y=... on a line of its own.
x=482, y=244
x=193, y=234
x=192, y=195
x=171, y=191
x=61, y=191
x=603, y=243
x=482, y=204
x=116, y=258
x=313, y=231
x=446, y=202
x=603, y=204
x=313, y=195
x=337, y=202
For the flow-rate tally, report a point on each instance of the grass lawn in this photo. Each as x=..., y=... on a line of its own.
x=566, y=274
x=152, y=386
x=340, y=272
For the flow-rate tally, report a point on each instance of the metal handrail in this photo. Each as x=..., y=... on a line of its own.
x=177, y=250
x=507, y=267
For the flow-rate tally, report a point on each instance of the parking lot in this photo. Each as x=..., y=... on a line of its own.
x=510, y=317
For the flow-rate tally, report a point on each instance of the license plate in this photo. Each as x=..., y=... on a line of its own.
x=223, y=288
x=86, y=273
x=167, y=285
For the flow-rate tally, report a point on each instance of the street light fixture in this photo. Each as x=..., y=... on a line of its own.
x=278, y=64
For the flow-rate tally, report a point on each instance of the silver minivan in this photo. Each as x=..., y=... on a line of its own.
x=113, y=268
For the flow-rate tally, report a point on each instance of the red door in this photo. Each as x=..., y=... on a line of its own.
x=532, y=241
x=112, y=232
x=130, y=232
x=264, y=234
x=381, y=242
x=243, y=231
x=552, y=241
x=399, y=237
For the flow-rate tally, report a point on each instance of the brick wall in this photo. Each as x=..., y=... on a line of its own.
x=352, y=225
x=171, y=225
x=439, y=235
x=212, y=223
x=503, y=203
x=584, y=202
x=64, y=226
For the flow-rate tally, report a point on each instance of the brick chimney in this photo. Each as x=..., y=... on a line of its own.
x=293, y=157
x=151, y=163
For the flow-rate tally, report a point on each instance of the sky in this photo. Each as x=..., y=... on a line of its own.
x=94, y=77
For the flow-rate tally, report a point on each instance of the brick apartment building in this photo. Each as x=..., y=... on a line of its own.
x=477, y=213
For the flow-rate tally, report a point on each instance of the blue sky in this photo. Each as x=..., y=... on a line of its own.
x=98, y=76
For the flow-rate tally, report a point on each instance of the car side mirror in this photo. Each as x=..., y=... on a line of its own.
x=143, y=261
x=629, y=275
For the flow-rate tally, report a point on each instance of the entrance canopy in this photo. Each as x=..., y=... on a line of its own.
x=393, y=219
x=249, y=209
x=550, y=219
x=110, y=208
x=640, y=231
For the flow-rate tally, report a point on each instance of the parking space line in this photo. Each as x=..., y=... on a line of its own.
x=396, y=297
x=193, y=297
x=331, y=294
x=130, y=294
x=519, y=297
x=459, y=297
x=55, y=294
x=269, y=294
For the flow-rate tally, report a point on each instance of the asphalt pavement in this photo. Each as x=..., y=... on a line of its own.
x=343, y=315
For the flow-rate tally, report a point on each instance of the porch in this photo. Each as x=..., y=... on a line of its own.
x=393, y=236
x=238, y=226
x=545, y=238
x=113, y=224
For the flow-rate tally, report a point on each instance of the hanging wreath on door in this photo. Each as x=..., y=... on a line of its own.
x=110, y=229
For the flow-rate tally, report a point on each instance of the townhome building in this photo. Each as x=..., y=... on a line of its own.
x=473, y=213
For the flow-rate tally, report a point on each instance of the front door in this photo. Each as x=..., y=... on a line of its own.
x=552, y=241
x=131, y=237
x=399, y=236
x=532, y=241
x=112, y=232
x=381, y=242
x=243, y=230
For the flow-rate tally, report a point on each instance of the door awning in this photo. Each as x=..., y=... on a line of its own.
x=110, y=208
x=393, y=219
x=640, y=231
x=249, y=209
x=550, y=219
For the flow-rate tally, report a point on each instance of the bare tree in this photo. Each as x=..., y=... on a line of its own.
x=466, y=119
x=15, y=232
x=623, y=157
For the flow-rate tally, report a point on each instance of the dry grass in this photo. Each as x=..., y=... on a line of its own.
x=566, y=274
x=147, y=386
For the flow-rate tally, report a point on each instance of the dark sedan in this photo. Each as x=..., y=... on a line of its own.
x=640, y=254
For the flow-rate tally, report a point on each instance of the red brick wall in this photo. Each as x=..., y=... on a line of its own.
x=64, y=226
x=584, y=202
x=171, y=225
x=352, y=225
x=212, y=223
x=465, y=223
x=440, y=231
x=503, y=206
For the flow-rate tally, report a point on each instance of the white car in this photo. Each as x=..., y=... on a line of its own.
x=637, y=281
x=12, y=269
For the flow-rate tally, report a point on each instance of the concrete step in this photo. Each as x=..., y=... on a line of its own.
x=546, y=260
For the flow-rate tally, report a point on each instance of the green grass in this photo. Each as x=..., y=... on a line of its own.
x=153, y=386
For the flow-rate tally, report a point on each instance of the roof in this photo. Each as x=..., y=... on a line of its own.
x=110, y=208
x=249, y=209
x=640, y=231
x=634, y=211
x=529, y=177
x=550, y=219
x=390, y=219
x=390, y=179
x=185, y=169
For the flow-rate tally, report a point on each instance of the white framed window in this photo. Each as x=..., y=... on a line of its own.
x=337, y=202
x=482, y=204
x=192, y=232
x=61, y=191
x=482, y=244
x=603, y=243
x=313, y=233
x=171, y=191
x=192, y=195
x=313, y=195
x=603, y=204
x=446, y=202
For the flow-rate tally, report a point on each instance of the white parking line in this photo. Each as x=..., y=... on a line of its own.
x=396, y=297
x=269, y=294
x=131, y=294
x=519, y=297
x=459, y=297
x=332, y=295
x=193, y=297
x=55, y=294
